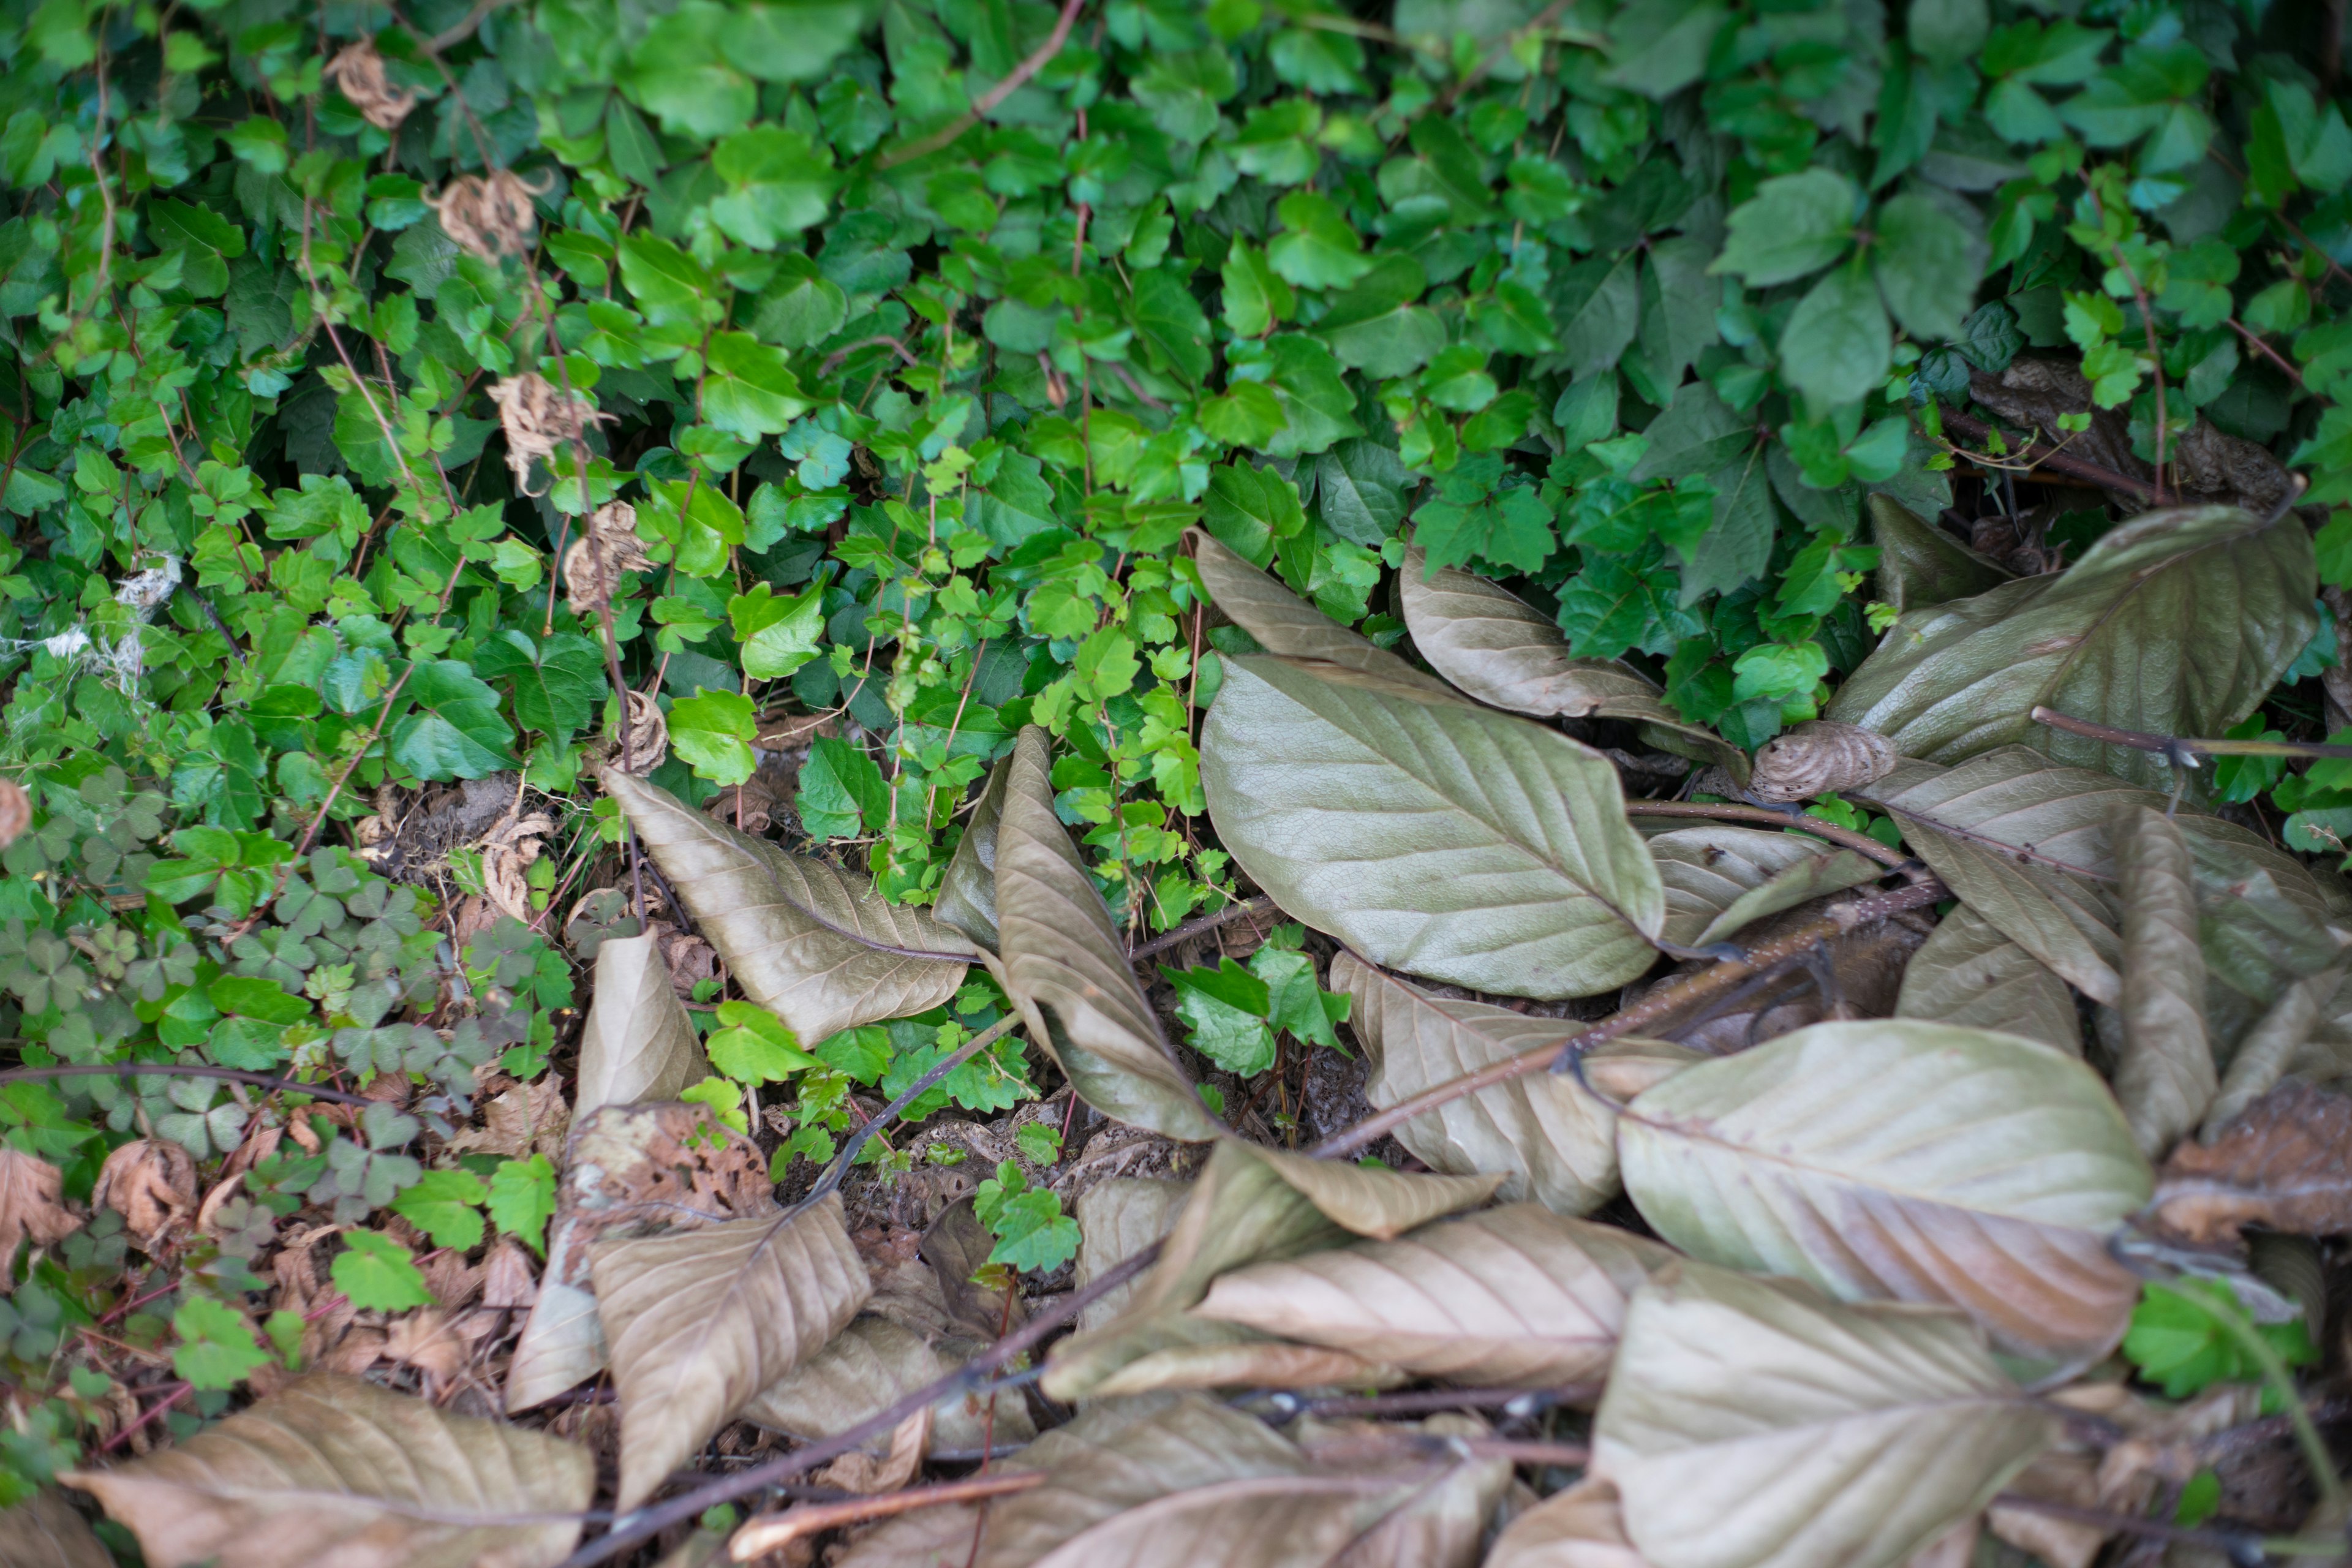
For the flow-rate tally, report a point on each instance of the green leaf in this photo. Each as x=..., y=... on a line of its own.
x=841, y=792
x=669, y=286
x=1659, y=49
x=1256, y=298
x=216, y=1347
x=712, y=731
x=1316, y=249
x=1945, y=32
x=1836, y=346
x=1294, y=1001
x=1927, y=266
x=1359, y=491
x=753, y=1045
x=1032, y=1234
x=1598, y=302
x=1317, y=407
x=779, y=184
x=779, y=635
x=1170, y=321
x=445, y=1205
x=378, y=1274
x=1697, y=436
x=2180, y=1343
x=253, y=997
x=1375, y=327
x=455, y=731
x=522, y=1200
x=1792, y=227
x=558, y=681
x=1236, y=1039
x=750, y=390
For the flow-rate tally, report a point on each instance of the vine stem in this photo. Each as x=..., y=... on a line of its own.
x=1195, y=927
x=1038, y=60
x=2180, y=753
x=182, y=1069
x=2282, y=1383
x=2040, y=455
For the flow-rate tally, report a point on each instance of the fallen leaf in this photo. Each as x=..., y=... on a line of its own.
x=427, y=1340
x=1721, y=880
x=1515, y=1296
x=1550, y=1138
x=1754, y=1424
x=927, y=1538
x=2267, y=1050
x=506, y=1278
x=1907, y=1160
x=865, y=1475
x=1117, y=1219
x=967, y=902
x=2176, y=623
x=44, y=1532
x=1969, y=975
x=1919, y=564
x=1501, y=649
x=803, y=939
x=332, y=1469
x=871, y=1365
x=151, y=1183
x=528, y=1119
x=1816, y=758
x=699, y=1322
x=29, y=1189
x=1430, y=834
x=1284, y=624
x=2165, y=1076
x=1061, y=955
x=638, y=1043
x=2286, y=1164
x=1583, y=1527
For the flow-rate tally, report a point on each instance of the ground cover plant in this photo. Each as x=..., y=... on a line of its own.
x=956, y=781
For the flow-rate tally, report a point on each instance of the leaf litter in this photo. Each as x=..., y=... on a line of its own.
x=1810, y=1267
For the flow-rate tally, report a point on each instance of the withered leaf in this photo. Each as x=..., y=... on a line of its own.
x=967, y=902
x=333, y=1470
x=1754, y=1424
x=2267, y=1048
x=802, y=937
x=1920, y=565
x=1583, y=1527
x=701, y=1320
x=1550, y=1138
x=1429, y=833
x=1515, y=1296
x=2286, y=1164
x=636, y=1043
x=1284, y=624
x=1063, y=962
x=1501, y=649
x=2165, y=1077
x=1969, y=975
x=44, y=1532
x=1117, y=1219
x=1907, y=1160
x=29, y=1191
x=1720, y=880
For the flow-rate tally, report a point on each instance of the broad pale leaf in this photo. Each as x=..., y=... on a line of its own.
x=2165, y=1077
x=1061, y=955
x=803, y=939
x=968, y=890
x=1284, y=624
x=1501, y=649
x=871, y=1365
x=44, y=1532
x=1249, y=1204
x=1431, y=834
x=1117, y=1219
x=2267, y=1049
x=1515, y=1296
x=1920, y=565
x=1583, y=1527
x=1969, y=975
x=1751, y=1423
x=1721, y=878
x=1907, y=1160
x=638, y=1043
x=927, y=1538
x=701, y=1320
x=1552, y=1139
x=2176, y=623
x=332, y=1469
x=1198, y=1353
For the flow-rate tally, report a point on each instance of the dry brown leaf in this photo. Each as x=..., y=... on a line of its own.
x=151, y=1183
x=334, y=1470
x=507, y=1278
x=1583, y=1527
x=869, y=1367
x=1919, y=564
x=29, y=1190
x=428, y=1339
x=593, y=568
x=967, y=902
x=638, y=1043
x=1230, y=1357
x=925, y=1538
x=2268, y=1049
x=358, y=70
x=1513, y=1296
x=1117, y=1219
x=1550, y=1139
x=1753, y=1422
x=699, y=1322
x=2284, y=1164
x=864, y=1474
x=44, y=1532
x=1720, y=880
x=16, y=811
x=1501, y=649
x=1817, y=758
x=2165, y=1077
x=525, y=1120
x=1968, y=975
x=1283, y=623
x=819, y=948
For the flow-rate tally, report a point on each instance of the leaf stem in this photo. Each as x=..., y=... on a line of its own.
x=1038, y=60
x=2281, y=1383
x=183, y=1070
x=2183, y=754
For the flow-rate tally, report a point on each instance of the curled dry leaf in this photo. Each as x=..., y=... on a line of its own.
x=332, y=1469
x=1159, y=1483
x=1515, y=1296
x=537, y=420
x=2165, y=1077
x=44, y=1532
x=664, y=1165
x=927, y=1538
x=802, y=937
x=638, y=1043
x=1903, y=1159
x=29, y=1206
x=358, y=70
x=1501, y=649
x=1919, y=564
x=1969, y=975
x=1753, y=1423
x=1548, y=1137
x=2286, y=1164
x=699, y=1322
x=1284, y=624
x=16, y=811
x=489, y=215
x=1249, y=1206
x=2175, y=622
x=1064, y=964
x=151, y=1183
x=606, y=548
x=1819, y=758
x=1428, y=834
x=1720, y=880
x=967, y=902
x=1583, y=1527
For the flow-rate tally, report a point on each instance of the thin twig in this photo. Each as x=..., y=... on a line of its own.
x=2040, y=455
x=2180, y=753
x=772, y=1532
x=1038, y=60
x=1199, y=923
x=1859, y=843
x=888, y=1113
x=184, y=1069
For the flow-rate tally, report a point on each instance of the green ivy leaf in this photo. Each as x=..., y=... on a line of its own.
x=713, y=731
x=522, y=1200
x=378, y=1274
x=445, y=1205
